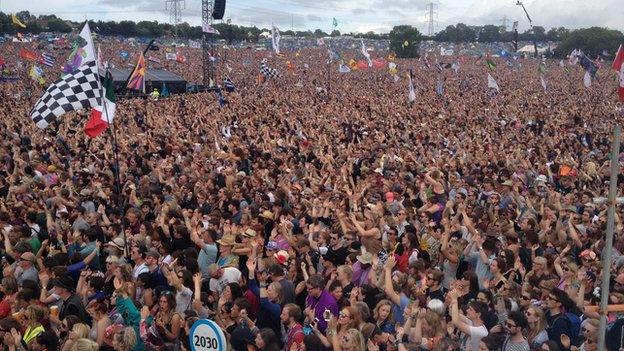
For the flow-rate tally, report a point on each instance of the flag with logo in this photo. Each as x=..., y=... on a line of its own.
x=180, y=58
x=171, y=56
x=164, y=91
x=36, y=74
x=490, y=64
x=102, y=115
x=137, y=78
x=618, y=66
x=17, y=22
x=77, y=90
x=47, y=59
x=335, y=22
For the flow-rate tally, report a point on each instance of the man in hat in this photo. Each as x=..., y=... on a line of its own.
x=64, y=286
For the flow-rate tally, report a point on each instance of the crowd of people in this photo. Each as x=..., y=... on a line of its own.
x=314, y=211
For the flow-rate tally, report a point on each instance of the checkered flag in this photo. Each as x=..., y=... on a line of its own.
x=76, y=91
x=268, y=72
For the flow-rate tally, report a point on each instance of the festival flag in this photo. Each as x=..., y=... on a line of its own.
x=405, y=44
x=618, y=66
x=35, y=73
x=335, y=22
x=75, y=91
x=320, y=42
x=490, y=64
x=82, y=51
x=207, y=28
x=440, y=85
x=352, y=64
x=379, y=63
x=137, y=79
x=587, y=79
x=102, y=115
x=47, y=59
x=268, y=72
x=411, y=94
x=589, y=65
x=573, y=59
x=543, y=82
x=542, y=67
x=361, y=65
x=455, y=66
x=343, y=68
x=366, y=54
x=171, y=56
x=2, y=64
x=180, y=58
x=290, y=66
x=392, y=68
x=619, y=59
x=153, y=59
x=17, y=22
x=229, y=85
x=491, y=83
x=164, y=91
x=72, y=92
x=275, y=39
x=27, y=54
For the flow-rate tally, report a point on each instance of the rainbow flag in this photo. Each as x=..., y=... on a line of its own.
x=137, y=79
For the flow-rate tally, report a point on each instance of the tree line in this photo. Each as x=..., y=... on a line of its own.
x=592, y=41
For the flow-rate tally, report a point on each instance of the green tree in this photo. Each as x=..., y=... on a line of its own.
x=319, y=33
x=58, y=25
x=401, y=34
x=557, y=34
x=489, y=34
x=335, y=33
x=591, y=40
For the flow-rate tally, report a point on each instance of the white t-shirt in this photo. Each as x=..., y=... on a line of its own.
x=476, y=334
x=142, y=268
x=230, y=275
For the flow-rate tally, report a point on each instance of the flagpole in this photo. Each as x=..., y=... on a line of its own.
x=115, y=151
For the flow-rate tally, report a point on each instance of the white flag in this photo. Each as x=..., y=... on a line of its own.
x=275, y=39
x=343, y=68
x=543, y=82
x=411, y=95
x=366, y=54
x=587, y=80
x=574, y=57
x=491, y=83
x=89, y=49
x=207, y=28
x=455, y=66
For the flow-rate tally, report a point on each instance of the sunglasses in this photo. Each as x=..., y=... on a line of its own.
x=525, y=298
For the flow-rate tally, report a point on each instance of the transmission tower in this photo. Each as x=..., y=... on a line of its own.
x=175, y=12
x=504, y=23
x=431, y=18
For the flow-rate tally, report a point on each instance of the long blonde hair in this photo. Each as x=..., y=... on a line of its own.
x=537, y=327
x=81, y=329
x=84, y=344
x=357, y=338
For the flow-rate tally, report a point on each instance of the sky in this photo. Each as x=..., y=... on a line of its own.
x=352, y=16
